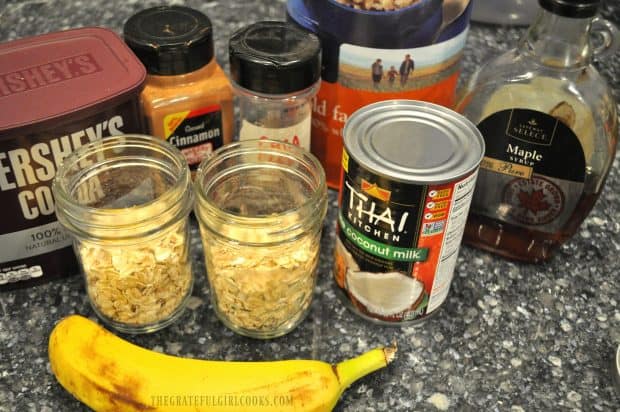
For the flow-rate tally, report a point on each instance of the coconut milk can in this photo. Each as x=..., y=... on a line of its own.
x=408, y=174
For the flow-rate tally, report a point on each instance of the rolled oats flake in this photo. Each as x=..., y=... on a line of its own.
x=262, y=288
x=140, y=284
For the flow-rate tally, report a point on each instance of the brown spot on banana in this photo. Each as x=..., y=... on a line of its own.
x=335, y=370
x=122, y=397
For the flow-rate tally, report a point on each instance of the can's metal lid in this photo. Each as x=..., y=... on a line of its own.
x=413, y=141
x=59, y=74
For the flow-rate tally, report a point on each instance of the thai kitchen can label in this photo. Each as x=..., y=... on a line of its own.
x=408, y=174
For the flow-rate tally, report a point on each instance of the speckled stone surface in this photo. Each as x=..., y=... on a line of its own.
x=510, y=337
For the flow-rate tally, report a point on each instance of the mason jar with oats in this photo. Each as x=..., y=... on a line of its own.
x=126, y=201
x=261, y=205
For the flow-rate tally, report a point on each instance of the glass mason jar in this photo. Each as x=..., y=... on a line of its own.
x=126, y=202
x=260, y=205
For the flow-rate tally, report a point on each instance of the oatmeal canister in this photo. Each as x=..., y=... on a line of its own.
x=375, y=50
x=408, y=174
x=58, y=92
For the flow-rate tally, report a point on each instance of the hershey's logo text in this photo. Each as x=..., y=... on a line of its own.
x=32, y=169
x=46, y=74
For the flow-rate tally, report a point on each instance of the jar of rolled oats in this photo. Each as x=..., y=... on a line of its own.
x=126, y=201
x=260, y=206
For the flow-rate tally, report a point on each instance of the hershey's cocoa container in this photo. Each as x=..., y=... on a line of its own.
x=375, y=51
x=407, y=179
x=58, y=91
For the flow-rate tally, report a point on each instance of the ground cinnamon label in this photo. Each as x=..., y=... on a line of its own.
x=188, y=99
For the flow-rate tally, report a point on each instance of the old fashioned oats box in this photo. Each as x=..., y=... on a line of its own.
x=58, y=91
x=375, y=50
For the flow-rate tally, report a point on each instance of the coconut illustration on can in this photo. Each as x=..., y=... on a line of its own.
x=391, y=296
x=408, y=174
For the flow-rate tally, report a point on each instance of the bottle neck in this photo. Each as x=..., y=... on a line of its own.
x=558, y=41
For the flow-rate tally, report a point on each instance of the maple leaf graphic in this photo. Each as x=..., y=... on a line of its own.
x=534, y=201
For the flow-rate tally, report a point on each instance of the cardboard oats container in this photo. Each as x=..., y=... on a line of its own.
x=58, y=91
x=412, y=52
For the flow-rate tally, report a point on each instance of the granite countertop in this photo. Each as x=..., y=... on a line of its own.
x=510, y=337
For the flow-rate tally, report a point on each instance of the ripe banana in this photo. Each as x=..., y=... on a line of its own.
x=108, y=373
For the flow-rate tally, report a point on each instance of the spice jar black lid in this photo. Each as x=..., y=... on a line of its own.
x=274, y=57
x=571, y=8
x=170, y=40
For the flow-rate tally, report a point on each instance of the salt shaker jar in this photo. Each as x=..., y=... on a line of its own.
x=276, y=70
x=126, y=201
x=260, y=205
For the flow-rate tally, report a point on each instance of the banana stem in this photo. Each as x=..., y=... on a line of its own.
x=350, y=370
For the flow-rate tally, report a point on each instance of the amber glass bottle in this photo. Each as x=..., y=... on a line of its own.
x=188, y=99
x=550, y=126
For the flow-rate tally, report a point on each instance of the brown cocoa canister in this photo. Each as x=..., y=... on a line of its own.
x=58, y=91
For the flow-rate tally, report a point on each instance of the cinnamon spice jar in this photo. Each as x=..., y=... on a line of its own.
x=188, y=99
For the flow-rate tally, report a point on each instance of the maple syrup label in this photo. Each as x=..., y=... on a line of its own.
x=196, y=133
x=401, y=236
x=533, y=171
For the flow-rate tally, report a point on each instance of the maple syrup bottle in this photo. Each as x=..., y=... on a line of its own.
x=550, y=127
